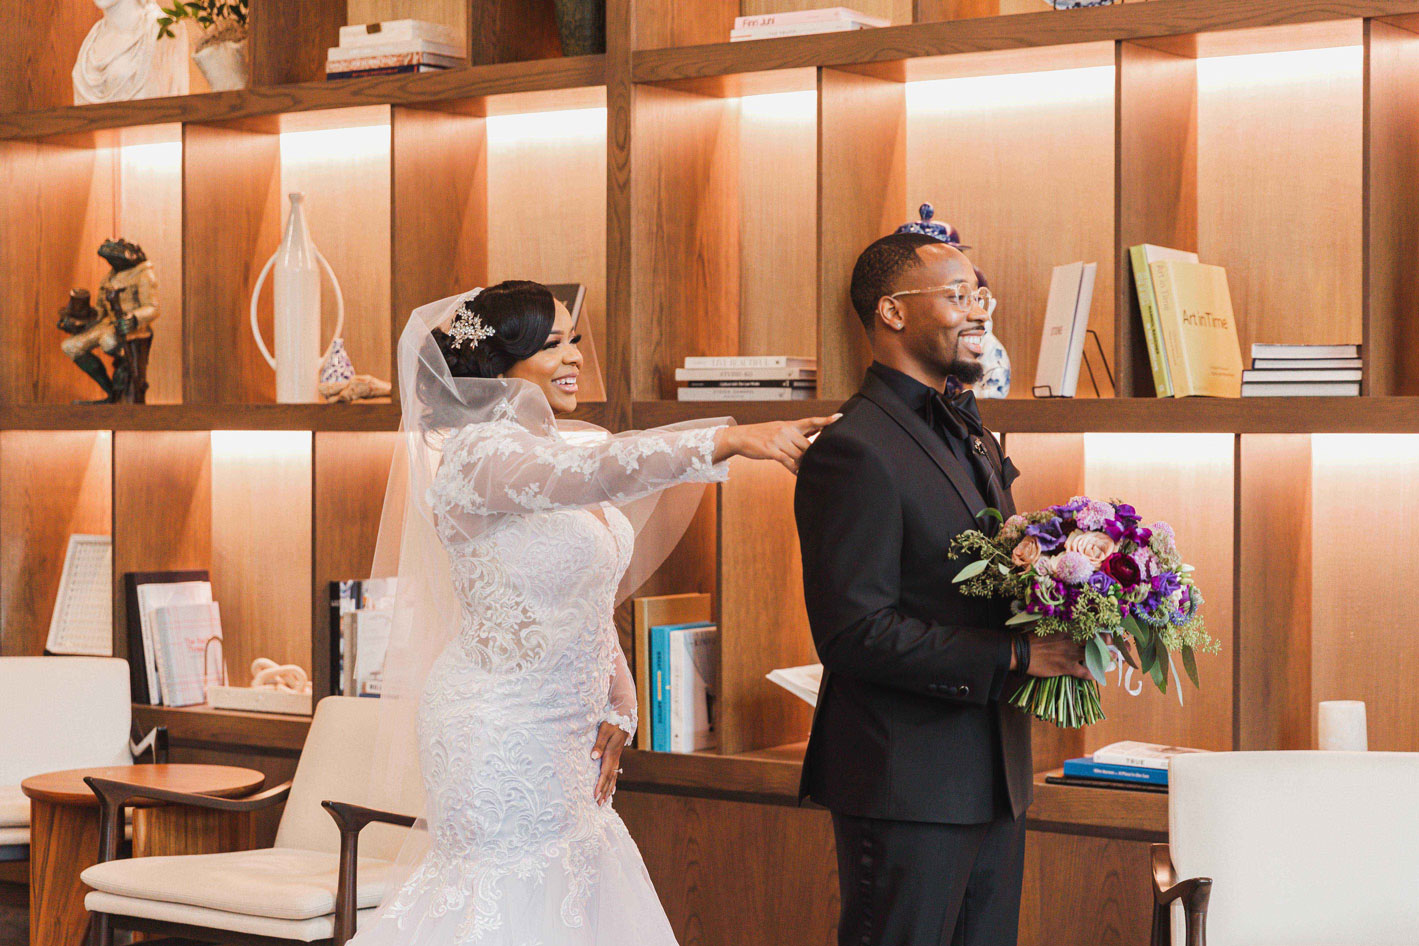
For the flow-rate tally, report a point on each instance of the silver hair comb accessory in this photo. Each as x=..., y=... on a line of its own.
x=467, y=326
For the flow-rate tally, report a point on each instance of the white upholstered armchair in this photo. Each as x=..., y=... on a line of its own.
x=1290, y=849
x=312, y=886
x=61, y=713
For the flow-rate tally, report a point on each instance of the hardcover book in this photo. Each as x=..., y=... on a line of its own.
x=661, y=695
x=394, y=31
x=648, y=612
x=744, y=394
x=808, y=16
x=143, y=592
x=1071, y=292
x=1199, y=329
x=750, y=361
x=1141, y=256
x=339, y=54
x=189, y=649
x=1261, y=350
x=694, y=670
x=1301, y=389
x=1087, y=768
x=1141, y=755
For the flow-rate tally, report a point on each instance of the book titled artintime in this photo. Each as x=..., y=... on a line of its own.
x=1198, y=328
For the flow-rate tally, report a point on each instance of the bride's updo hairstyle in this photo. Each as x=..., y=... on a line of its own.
x=520, y=314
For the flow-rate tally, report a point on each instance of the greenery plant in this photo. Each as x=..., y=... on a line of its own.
x=221, y=20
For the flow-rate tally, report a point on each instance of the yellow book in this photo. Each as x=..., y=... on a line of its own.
x=649, y=612
x=1198, y=328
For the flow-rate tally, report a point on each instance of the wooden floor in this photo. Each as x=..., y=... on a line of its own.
x=14, y=915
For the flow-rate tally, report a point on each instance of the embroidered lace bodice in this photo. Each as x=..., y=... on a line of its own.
x=512, y=706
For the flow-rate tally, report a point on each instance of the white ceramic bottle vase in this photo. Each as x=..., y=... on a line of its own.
x=296, y=291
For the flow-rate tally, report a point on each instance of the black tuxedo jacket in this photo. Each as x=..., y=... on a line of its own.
x=911, y=723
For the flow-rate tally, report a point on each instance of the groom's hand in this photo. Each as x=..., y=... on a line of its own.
x=1057, y=655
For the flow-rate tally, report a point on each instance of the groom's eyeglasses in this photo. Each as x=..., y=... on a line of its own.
x=960, y=298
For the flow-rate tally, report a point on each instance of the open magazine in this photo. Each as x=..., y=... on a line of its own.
x=803, y=682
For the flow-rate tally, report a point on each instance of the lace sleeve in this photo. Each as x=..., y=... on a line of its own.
x=501, y=467
x=621, y=698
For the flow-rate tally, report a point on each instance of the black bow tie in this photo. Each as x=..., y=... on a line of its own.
x=958, y=414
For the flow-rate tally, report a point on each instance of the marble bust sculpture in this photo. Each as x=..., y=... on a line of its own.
x=122, y=57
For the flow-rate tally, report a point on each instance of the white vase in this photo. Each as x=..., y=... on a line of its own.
x=296, y=292
x=224, y=64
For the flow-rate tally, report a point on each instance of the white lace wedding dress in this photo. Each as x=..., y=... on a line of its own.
x=520, y=854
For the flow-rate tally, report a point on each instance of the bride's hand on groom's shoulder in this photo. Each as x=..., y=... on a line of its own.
x=610, y=740
x=783, y=441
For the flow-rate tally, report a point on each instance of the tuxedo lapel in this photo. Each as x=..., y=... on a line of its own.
x=879, y=393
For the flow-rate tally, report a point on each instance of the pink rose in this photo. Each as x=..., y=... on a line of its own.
x=1026, y=552
x=1095, y=546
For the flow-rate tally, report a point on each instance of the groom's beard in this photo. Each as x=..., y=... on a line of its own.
x=966, y=371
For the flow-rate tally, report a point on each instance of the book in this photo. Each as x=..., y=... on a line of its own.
x=808, y=16
x=1086, y=767
x=647, y=612
x=385, y=71
x=805, y=385
x=187, y=662
x=1079, y=782
x=1260, y=350
x=1140, y=256
x=1292, y=375
x=746, y=374
x=694, y=670
x=1140, y=755
x=393, y=31
x=745, y=394
x=1071, y=292
x=1198, y=327
x=82, y=620
x=1293, y=389
x=750, y=361
x=803, y=682
x=347, y=597
x=339, y=54
x=797, y=29
x=364, y=63
x=1307, y=363
x=365, y=636
x=660, y=695
x=146, y=598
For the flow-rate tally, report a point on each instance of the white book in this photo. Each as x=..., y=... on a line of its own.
x=1292, y=375
x=801, y=29
x=393, y=31
x=746, y=374
x=1259, y=363
x=189, y=651
x=339, y=54
x=1143, y=755
x=1071, y=292
x=750, y=361
x=803, y=682
x=1260, y=350
x=365, y=638
x=745, y=394
x=694, y=662
x=158, y=595
x=393, y=60
x=808, y=16
x=82, y=620
x=1305, y=389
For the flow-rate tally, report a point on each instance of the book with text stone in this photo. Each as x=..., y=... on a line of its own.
x=1198, y=328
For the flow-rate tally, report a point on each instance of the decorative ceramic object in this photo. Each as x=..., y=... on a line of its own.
x=121, y=58
x=339, y=382
x=224, y=64
x=995, y=383
x=582, y=25
x=119, y=325
x=297, y=310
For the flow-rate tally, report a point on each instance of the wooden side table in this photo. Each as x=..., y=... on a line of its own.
x=64, y=833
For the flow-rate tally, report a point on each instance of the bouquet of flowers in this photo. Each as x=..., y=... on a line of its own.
x=1090, y=570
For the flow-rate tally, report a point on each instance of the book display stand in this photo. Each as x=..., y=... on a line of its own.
x=1044, y=391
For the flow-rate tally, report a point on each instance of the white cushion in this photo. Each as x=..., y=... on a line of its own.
x=302, y=931
x=14, y=807
x=62, y=713
x=9, y=836
x=1303, y=848
x=279, y=883
x=336, y=765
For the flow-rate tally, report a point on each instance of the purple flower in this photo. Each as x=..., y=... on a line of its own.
x=1141, y=536
x=1073, y=568
x=1074, y=505
x=1165, y=583
x=1100, y=582
x=1115, y=530
x=1121, y=569
x=1147, y=562
x=1127, y=513
x=1050, y=535
x=1094, y=515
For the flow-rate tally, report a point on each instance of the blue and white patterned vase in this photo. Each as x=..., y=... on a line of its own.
x=994, y=358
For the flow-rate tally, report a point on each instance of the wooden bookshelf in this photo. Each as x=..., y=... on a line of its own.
x=713, y=197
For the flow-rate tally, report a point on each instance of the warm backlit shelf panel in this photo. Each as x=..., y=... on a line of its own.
x=452, y=85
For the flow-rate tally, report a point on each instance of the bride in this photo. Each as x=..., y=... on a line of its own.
x=518, y=537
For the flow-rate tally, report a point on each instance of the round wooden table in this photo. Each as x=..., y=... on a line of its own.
x=64, y=833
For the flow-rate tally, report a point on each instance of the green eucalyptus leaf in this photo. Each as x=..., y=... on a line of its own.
x=1159, y=673
x=1096, y=658
x=971, y=571
x=1003, y=568
x=1127, y=657
x=1024, y=617
x=1189, y=660
x=991, y=513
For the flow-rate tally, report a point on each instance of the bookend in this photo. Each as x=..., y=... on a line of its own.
x=1048, y=392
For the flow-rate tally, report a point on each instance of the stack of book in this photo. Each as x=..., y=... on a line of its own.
x=1188, y=323
x=677, y=672
x=1303, y=371
x=393, y=48
x=174, y=637
x=1142, y=765
x=802, y=23
x=361, y=615
x=748, y=378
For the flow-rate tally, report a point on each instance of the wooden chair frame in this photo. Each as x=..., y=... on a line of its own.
x=1194, y=893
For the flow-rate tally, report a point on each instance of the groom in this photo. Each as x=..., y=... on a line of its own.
x=924, y=766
